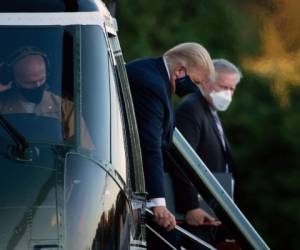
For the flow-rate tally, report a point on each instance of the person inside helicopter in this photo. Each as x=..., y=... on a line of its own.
x=29, y=94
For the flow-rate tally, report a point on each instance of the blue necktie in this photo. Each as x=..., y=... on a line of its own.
x=219, y=127
x=220, y=132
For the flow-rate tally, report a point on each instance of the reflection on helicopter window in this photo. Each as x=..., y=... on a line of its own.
x=28, y=93
x=53, y=85
x=90, y=203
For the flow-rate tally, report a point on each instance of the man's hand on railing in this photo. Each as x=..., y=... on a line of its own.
x=198, y=217
x=164, y=218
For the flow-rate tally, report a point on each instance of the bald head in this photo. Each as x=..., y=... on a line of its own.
x=30, y=71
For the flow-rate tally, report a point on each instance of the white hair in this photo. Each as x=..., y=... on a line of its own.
x=223, y=65
x=191, y=55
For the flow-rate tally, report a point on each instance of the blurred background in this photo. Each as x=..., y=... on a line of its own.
x=262, y=124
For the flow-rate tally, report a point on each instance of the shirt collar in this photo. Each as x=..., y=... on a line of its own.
x=167, y=68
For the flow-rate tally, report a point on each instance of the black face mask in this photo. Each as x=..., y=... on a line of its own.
x=33, y=95
x=184, y=86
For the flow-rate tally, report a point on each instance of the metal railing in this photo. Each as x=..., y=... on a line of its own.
x=183, y=232
x=204, y=181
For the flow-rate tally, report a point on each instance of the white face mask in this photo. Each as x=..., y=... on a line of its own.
x=221, y=99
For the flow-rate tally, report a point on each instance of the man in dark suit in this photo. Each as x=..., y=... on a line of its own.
x=197, y=119
x=152, y=82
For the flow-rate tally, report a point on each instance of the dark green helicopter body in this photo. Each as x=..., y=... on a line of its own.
x=68, y=188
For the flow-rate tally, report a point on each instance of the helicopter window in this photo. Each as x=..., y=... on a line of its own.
x=119, y=149
x=31, y=76
x=30, y=191
x=54, y=85
x=95, y=89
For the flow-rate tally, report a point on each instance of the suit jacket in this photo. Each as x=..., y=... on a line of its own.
x=151, y=94
x=196, y=122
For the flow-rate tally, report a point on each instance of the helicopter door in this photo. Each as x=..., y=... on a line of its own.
x=93, y=202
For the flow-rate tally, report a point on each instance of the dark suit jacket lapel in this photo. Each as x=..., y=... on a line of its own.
x=210, y=118
x=227, y=152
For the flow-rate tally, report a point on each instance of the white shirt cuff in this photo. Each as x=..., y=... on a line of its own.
x=156, y=202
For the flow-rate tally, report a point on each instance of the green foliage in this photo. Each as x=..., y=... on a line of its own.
x=264, y=135
x=148, y=28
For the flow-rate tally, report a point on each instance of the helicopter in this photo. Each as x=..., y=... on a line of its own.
x=71, y=174
x=59, y=192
